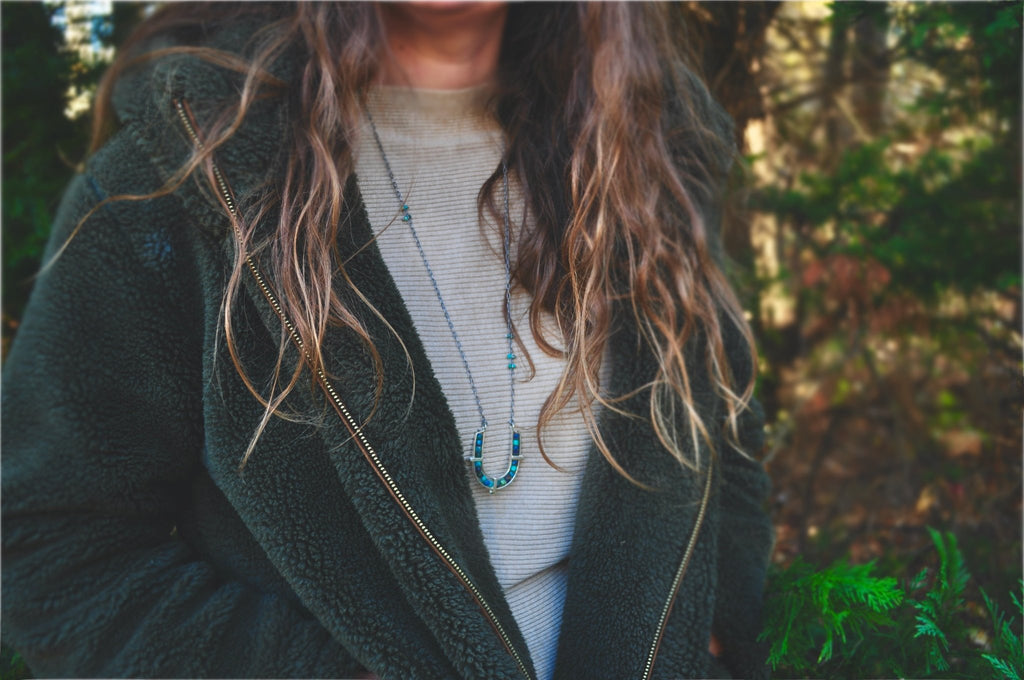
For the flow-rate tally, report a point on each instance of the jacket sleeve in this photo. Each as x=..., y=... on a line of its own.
x=745, y=542
x=746, y=535
x=102, y=415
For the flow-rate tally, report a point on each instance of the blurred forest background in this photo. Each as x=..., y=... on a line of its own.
x=874, y=231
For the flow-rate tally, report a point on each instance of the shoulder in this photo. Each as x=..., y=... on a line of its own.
x=180, y=53
x=114, y=223
x=178, y=87
x=699, y=129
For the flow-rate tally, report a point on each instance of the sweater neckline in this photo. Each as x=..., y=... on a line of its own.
x=400, y=109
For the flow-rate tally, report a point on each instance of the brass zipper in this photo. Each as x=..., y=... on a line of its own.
x=683, y=566
x=185, y=114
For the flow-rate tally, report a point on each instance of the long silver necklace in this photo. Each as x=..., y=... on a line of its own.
x=475, y=459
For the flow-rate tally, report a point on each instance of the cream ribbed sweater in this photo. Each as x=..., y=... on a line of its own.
x=442, y=147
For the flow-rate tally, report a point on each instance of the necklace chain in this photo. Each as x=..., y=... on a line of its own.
x=476, y=459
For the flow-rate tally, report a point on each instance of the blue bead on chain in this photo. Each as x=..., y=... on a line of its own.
x=475, y=459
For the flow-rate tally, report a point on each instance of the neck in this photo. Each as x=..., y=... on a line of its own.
x=442, y=46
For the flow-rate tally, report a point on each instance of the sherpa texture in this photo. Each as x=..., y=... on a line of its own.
x=134, y=545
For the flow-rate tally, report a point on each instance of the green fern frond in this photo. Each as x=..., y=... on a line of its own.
x=1006, y=653
x=940, y=548
x=814, y=613
x=938, y=660
x=843, y=621
x=826, y=649
x=918, y=580
x=927, y=627
x=1003, y=668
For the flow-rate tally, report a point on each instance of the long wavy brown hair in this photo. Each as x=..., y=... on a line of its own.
x=619, y=149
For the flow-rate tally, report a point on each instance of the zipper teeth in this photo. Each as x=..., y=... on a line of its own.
x=353, y=426
x=683, y=565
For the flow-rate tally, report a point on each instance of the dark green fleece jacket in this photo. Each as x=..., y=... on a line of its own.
x=133, y=545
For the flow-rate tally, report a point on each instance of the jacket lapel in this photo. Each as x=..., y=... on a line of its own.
x=414, y=435
x=628, y=545
x=404, y=476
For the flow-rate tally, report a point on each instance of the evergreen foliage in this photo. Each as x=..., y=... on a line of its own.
x=12, y=665
x=936, y=199
x=844, y=621
x=808, y=610
x=938, y=608
x=38, y=140
x=1007, y=657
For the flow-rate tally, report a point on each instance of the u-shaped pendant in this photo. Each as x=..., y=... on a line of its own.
x=493, y=484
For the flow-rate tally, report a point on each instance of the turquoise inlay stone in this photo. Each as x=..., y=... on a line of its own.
x=492, y=484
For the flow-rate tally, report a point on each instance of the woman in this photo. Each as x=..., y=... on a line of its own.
x=246, y=416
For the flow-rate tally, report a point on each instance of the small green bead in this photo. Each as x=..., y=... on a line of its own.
x=404, y=208
x=406, y=218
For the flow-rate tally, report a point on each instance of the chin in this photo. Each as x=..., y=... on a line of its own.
x=451, y=8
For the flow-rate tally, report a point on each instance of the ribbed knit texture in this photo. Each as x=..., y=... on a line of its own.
x=442, y=147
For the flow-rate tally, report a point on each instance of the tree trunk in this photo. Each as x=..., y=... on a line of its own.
x=833, y=81
x=870, y=68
